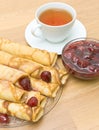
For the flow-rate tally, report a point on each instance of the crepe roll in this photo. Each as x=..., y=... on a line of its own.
x=32, y=68
x=54, y=74
x=31, y=95
x=40, y=56
x=41, y=86
x=21, y=111
x=10, y=92
x=11, y=74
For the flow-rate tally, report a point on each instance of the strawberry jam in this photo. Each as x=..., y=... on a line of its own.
x=81, y=58
x=4, y=118
x=25, y=83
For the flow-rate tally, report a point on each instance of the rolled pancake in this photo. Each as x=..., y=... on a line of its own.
x=21, y=111
x=43, y=87
x=49, y=58
x=11, y=74
x=12, y=93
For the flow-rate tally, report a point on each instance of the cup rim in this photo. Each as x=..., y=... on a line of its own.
x=58, y=26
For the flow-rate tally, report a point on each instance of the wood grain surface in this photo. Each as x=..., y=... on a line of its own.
x=78, y=107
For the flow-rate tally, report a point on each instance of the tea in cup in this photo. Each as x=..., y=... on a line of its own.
x=54, y=21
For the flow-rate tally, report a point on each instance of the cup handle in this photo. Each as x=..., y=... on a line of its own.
x=36, y=31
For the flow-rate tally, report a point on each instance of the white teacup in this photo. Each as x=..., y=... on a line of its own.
x=55, y=33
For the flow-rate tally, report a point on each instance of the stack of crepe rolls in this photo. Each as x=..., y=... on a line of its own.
x=34, y=54
x=24, y=81
x=10, y=92
x=21, y=68
x=34, y=70
x=16, y=100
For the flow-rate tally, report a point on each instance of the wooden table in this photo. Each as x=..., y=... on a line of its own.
x=78, y=107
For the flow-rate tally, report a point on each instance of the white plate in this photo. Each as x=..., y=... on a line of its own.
x=77, y=31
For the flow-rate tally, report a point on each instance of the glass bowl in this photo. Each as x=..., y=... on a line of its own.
x=81, y=58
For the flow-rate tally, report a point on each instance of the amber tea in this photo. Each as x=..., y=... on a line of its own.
x=55, y=17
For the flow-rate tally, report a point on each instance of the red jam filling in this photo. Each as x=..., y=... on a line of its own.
x=32, y=102
x=4, y=118
x=46, y=76
x=82, y=56
x=25, y=83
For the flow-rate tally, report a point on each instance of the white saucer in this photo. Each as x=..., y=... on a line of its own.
x=77, y=31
